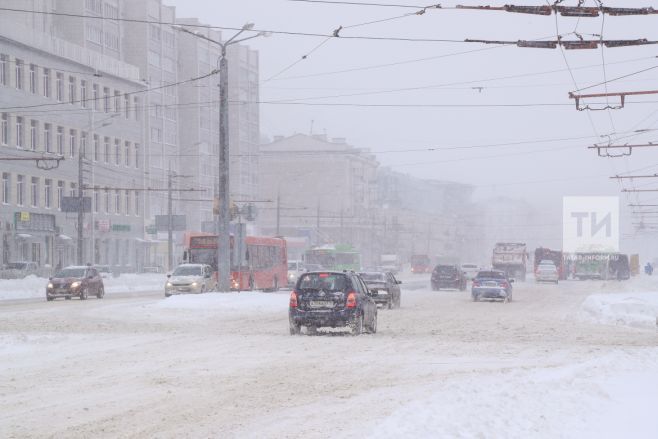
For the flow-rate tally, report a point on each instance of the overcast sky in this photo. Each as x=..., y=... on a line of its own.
x=528, y=152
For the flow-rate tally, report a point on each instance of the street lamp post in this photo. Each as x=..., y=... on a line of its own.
x=224, y=218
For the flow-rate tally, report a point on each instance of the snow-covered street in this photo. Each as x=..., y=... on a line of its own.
x=224, y=365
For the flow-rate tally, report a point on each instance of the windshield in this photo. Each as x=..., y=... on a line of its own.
x=16, y=265
x=469, y=266
x=190, y=270
x=323, y=281
x=491, y=275
x=445, y=269
x=71, y=272
x=372, y=277
x=294, y=266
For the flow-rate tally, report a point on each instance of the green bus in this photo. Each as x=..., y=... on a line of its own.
x=334, y=257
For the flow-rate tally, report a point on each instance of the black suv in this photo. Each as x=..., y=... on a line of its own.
x=448, y=276
x=331, y=299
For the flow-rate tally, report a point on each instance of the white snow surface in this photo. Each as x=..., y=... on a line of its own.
x=638, y=310
x=35, y=287
x=245, y=302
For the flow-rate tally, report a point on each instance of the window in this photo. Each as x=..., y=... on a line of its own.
x=137, y=203
x=96, y=97
x=97, y=199
x=59, y=87
x=126, y=105
x=72, y=190
x=107, y=200
x=19, y=132
x=34, y=134
x=97, y=147
x=60, y=140
x=33, y=78
x=4, y=62
x=112, y=41
x=34, y=192
x=156, y=135
x=20, y=190
x=117, y=202
x=127, y=153
x=106, y=146
x=72, y=86
x=46, y=83
x=4, y=129
x=117, y=101
x=137, y=109
x=19, y=74
x=72, y=142
x=47, y=137
x=60, y=194
x=94, y=34
x=106, y=99
x=126, y=197
x=48, y=193
x=137, y=155
x=83, y=144
x=6, y=188
x=117, y=152
x=83, y=93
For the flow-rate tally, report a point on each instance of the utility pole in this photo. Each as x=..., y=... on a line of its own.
x=278, y=213
x=170, y=222
x=80, y=255
x=317, y=225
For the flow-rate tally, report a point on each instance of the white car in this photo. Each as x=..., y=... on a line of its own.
x=547, y=273
x=295, y=269
x=190, y=278
x=470, y=270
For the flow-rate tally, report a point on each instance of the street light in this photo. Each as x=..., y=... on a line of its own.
x=224, y=218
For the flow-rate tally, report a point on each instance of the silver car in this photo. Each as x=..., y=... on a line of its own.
x=190, y=278
x=547, y=273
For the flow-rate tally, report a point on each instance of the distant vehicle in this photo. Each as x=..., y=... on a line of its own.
x=555, y=257
x=79, y=281
x=19, y=270
x=448, y=276
x=510, y=257
x=592, y=266
x=470, y=270
x=619, y=267
x=104, y=270
x=385, y=288
x=190, y=278
x=337, y=257
x=390, y=263
x=295, y=269
x=313, y=267
x=547, y=273
x=331, y=299
x=492, y=284
x=420, y=264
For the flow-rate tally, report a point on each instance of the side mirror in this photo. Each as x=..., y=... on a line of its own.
x=372, y=293
x=50, y=278
x=511, y=280
x=398, y=282
x=168, y=275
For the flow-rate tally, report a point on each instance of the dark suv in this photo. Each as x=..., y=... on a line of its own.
x=75, y=281
x=331, y=299
x=448, y=276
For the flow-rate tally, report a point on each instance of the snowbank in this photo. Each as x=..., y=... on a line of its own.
x=639, y=310
x=251, y=302
x=35, y=287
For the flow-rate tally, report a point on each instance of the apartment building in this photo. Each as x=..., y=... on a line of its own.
x=60, y=99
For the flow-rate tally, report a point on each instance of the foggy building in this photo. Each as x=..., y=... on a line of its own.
x=325, y=190
x=77, y=103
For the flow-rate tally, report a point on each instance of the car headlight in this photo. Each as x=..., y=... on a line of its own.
x=75, y=284
x=291, y=275
x=168, y=285
x=51, y=286
x=194, y=284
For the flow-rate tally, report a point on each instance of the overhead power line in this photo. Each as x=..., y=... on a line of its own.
x=565, y=11
x=622, y=96
x=567, y=44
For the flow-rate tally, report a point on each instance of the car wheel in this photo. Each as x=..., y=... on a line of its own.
x=67, y=298
x=203, y=289
x=373, y=326
x=476, y=298
x=311, y=330
x=167, y=295
x=389, y=304
x=49, y=299
x=84, y=294
x=295, y=329
x=356, y=326
x=101, y=293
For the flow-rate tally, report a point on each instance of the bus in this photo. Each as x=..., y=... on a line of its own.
x=263, y=261
x=336, y=257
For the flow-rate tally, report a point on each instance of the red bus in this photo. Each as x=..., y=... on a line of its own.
x=420, y=264
x=263, y=264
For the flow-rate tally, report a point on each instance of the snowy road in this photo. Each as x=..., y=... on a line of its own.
x=223, y=365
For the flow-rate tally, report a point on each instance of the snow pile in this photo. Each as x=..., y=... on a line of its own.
x=251, y=302
x=35, y=287
x=639, y=310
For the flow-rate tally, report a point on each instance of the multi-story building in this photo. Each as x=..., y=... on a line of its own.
x=325, y=190
x=60, y=99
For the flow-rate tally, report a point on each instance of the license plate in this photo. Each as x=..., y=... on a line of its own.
x=321, y=304
x=491, y=284
x=61, y=291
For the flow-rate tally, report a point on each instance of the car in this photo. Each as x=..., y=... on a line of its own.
x=295, y=268
x=104, y=270
x=547, y=273
x=492, y=284
x=19, y=270
x=470, y=270
x=313, y=267
x=383, y=286
x=331, y=299
x=448, y=276
x=190, y=278
x=78, y=281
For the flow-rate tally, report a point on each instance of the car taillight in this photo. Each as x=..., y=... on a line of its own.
x=504, y=284
x=351, y=299
x=476, y=283
x=293, y=299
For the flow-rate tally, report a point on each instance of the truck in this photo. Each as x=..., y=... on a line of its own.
x=510, y=257
x=592, y=266
x=420, y=264
x=556, y=256
x=390, y=263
